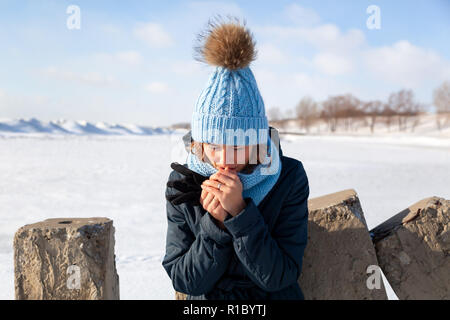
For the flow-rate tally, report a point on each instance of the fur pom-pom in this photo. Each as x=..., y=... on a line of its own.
x=226, y=44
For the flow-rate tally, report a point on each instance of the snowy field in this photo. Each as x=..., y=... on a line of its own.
x=123, y=178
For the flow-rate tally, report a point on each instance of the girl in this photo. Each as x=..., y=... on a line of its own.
x=237, y=210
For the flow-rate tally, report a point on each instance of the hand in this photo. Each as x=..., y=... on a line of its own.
x=189, y=186
x=213, y=206
x=230, y=193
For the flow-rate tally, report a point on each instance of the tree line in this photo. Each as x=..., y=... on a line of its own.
x=347, y=111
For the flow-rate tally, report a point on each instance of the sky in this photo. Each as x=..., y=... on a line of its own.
x=132, y=61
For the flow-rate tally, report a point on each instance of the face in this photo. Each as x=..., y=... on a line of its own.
x=223, y=156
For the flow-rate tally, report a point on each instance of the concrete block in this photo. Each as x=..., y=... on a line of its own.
x=66, y=259
x=413, y=250
x=339, y=251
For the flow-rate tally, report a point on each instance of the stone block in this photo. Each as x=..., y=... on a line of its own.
x=339, y=251
x=66, y=259
x=413, y=250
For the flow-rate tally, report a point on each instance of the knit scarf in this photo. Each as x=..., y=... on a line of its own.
x=255, y=184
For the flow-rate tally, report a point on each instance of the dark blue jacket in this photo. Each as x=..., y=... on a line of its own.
x=259, y=255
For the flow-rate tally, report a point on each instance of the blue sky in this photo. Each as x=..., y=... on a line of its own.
x=132, y=61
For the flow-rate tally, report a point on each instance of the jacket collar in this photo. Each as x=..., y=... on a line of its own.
x=187, y=139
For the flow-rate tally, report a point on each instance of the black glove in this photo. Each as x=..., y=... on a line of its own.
x=190, y=186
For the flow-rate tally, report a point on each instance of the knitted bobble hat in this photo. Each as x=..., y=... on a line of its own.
x=229, y=109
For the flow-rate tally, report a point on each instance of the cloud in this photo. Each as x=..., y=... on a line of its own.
x=332, y=64
x=340, y=52
x=157, y=87
x=271, y=54
x=265, y=76
x=336, y=51
x=300, y=15
x=187, y=68
x=407, y=65
x=320, y=87
x=286, y=89
x=326, y=37
x=130, y=58
x=153, y=34
x=330, y=38
x=111, y=30
x=87, y=78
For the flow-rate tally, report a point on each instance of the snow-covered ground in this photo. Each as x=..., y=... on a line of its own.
x=123, y=177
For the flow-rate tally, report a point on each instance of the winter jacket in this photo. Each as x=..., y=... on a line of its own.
x=259, y=255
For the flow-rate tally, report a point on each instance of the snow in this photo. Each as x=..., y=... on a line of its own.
x=20, y=127
x=123, y=177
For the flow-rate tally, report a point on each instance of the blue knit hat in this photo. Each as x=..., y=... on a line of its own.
x=230, y=109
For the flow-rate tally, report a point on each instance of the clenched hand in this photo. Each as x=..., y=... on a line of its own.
x=229, y=196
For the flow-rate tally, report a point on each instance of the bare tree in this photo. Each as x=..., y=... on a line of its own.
x=373, y=109
x=330, y=112
x=388, y=115
x=441, y=99
x=402, y=102
x=344, y=107
x=348, y=109
x=306, y=112
x=416, y=110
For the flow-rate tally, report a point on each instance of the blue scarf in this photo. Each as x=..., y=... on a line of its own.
x=256, y=184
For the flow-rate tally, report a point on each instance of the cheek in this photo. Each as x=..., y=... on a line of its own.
x=247, y=156
x=208, y=154
x=241, y=156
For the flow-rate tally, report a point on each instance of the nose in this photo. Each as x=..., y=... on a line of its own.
x=222, y=157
